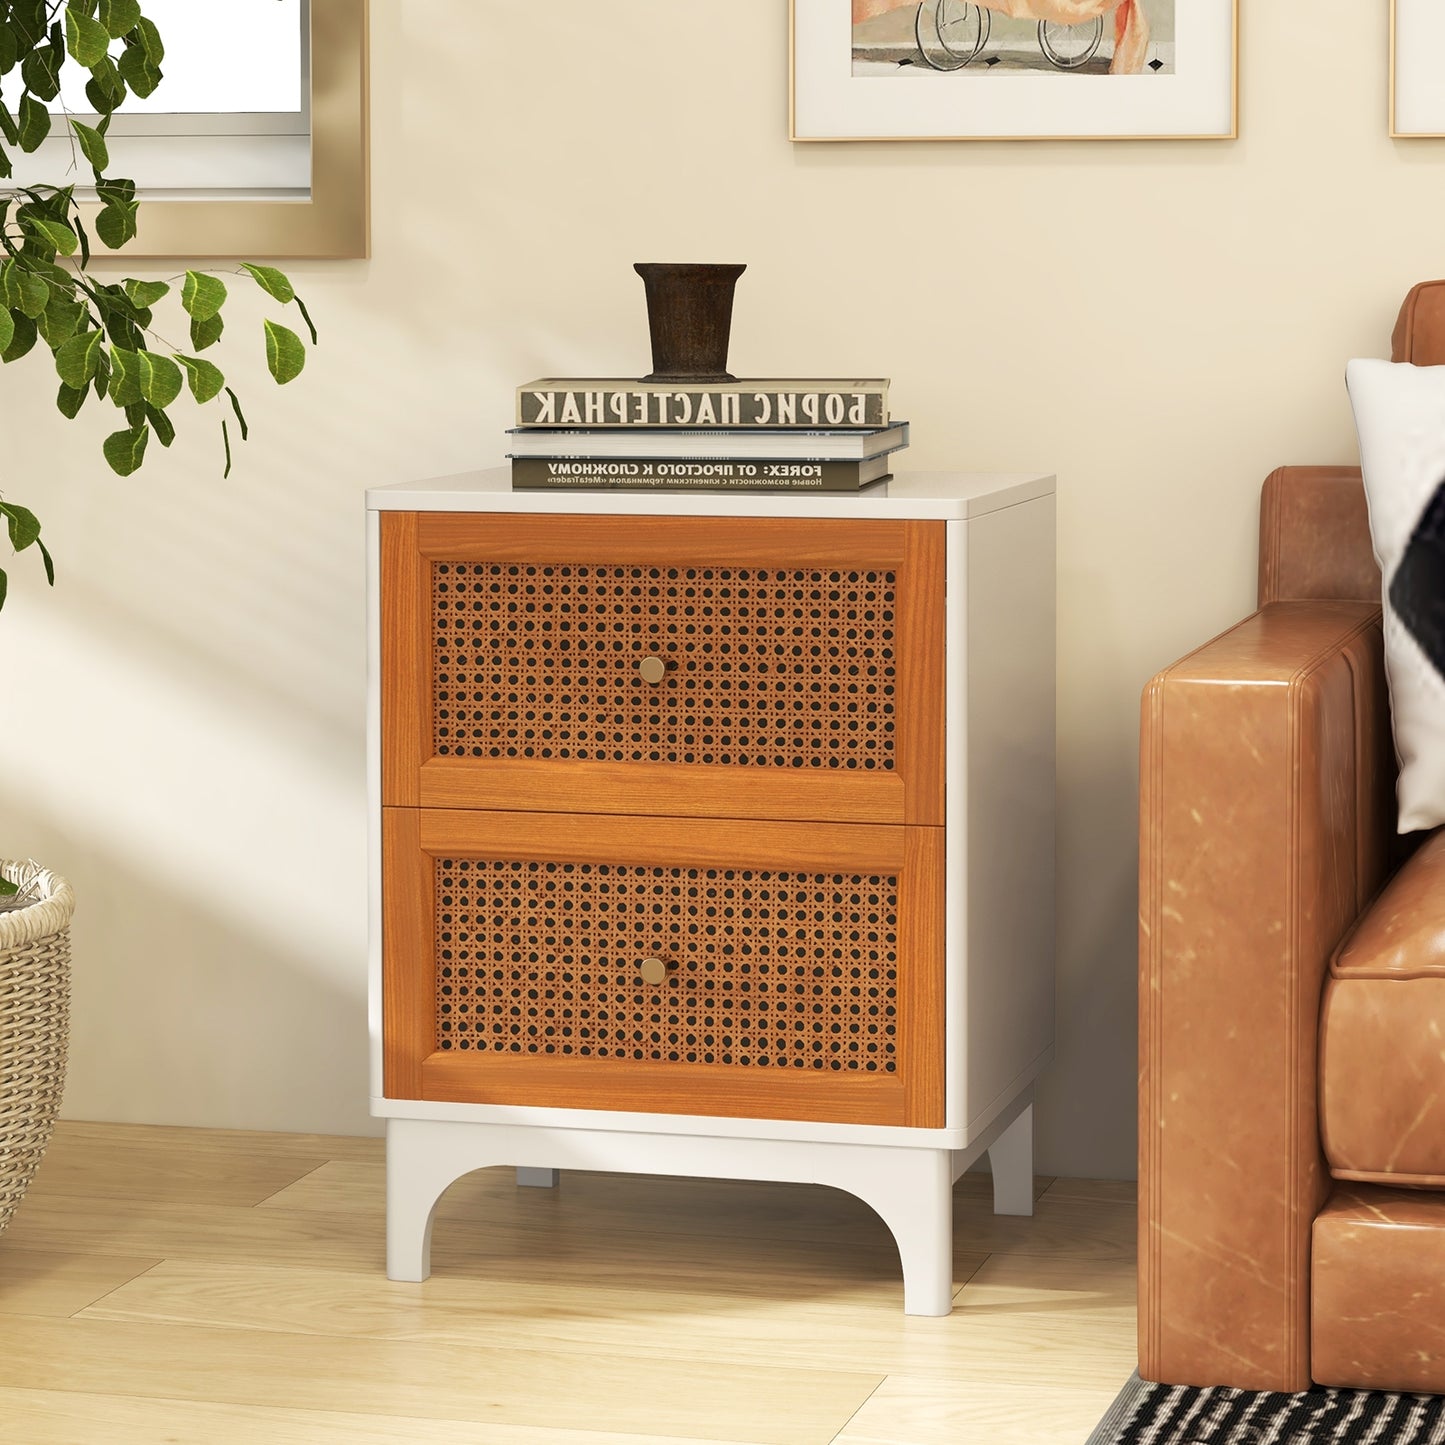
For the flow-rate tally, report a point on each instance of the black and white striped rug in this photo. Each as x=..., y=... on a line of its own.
x=1146, y=1414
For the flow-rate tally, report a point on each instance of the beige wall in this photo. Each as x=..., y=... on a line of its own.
x=1160, y=323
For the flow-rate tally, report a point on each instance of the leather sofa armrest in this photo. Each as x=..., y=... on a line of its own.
x=1314, y=537
x=1266, y=805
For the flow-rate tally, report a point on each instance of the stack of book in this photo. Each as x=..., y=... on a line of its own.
x=759, y=436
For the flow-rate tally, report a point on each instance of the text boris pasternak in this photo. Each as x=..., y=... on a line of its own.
x=700, y=409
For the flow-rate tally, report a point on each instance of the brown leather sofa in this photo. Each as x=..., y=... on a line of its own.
x=1291, y=981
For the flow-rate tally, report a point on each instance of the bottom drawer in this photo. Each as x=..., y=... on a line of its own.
x=680, y=966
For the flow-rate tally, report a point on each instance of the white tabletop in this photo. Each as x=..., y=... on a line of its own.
x=924, y=495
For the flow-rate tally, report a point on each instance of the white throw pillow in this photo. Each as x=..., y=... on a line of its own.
x=1400, y=417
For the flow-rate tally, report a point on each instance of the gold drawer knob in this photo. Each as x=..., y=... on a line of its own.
x=656, y=970
x=653, y=669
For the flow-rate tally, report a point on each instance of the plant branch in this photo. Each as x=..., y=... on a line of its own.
x=101, y=335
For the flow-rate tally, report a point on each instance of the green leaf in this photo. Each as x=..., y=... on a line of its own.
x=115, y=191
x=240, y=417
x=59, y=278
x=76, y=360
x=34, y=123
x=92, y=145
x=47, y=200
x=150, y=40
x=124, y=376
x=29, y=19
x=116, y=224
x=106, y=88
x=85, y=243
x=226, y=442
x=57, y=234
x=306, y=317
x=58, y=322
x=164, y=429
x=125, y=450
x=160, y=379
x=206, y=333
x=271, y=281
x=206, y=379
x=23, y=339
x=48, y=560
x=5, y=886
x=8, y=128
x=9, y=49
x=86, y=38
x=285, y=353
x=7, y=328
x=40, y=72
x=69, y=400
x=23, y=524
x=202, y=294
x=137, y=71
x=34, y=295
x=119, y=16
x=145, y=293
x=121, y=330
x=22, y=290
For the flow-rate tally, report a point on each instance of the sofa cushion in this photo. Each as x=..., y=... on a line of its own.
x=1400, y=416
x=1382, y=1038
x=1378, y=1277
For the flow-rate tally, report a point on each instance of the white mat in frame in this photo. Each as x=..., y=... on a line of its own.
x=1198, y=101
x=1417, y=98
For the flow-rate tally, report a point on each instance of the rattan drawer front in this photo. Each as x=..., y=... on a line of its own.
x=705, y=668
x=794, y=972
x=761, y=667
x=768, y=967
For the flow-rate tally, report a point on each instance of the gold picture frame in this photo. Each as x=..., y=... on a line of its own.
x=1228, y=130
x=1423, y=129
x=335, y=223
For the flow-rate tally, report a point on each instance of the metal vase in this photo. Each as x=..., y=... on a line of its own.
x=689, y=316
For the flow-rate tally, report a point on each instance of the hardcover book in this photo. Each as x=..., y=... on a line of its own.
x=745, y=444
x=541, y=474
x=617, y=402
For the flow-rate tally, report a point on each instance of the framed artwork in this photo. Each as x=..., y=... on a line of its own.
x=1015, y=69
x=1417, y=100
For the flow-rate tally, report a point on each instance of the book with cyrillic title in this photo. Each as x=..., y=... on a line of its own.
x=747, y=444
x=542, y=474
x=771, y=402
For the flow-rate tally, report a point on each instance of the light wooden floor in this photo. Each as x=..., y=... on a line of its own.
x=193, y=1287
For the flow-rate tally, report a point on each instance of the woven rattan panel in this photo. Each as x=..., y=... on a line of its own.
x=769, y=969
x=766, y=668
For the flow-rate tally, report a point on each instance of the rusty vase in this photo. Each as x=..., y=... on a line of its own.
x=689, y=316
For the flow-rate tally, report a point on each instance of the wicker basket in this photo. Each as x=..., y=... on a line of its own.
x=34, y=1022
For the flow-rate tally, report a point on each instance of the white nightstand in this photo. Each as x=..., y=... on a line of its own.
x=713, y=835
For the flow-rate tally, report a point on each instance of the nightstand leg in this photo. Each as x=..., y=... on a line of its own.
x=414, y=1183
x=537, y=1178
x=913, y=1194
x=1011, y=1157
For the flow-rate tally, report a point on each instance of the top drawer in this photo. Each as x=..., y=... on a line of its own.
x=759, y=668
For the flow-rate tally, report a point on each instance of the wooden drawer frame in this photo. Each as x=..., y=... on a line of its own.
x=416, y=1069
x=412, y=776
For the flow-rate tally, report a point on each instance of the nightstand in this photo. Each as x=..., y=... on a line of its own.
x=713, y=835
